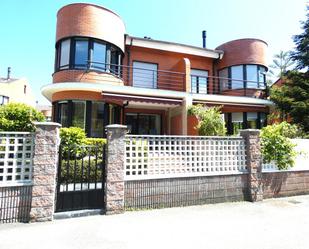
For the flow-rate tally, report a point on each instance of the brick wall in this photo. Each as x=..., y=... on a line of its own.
x=173, y=192
x=288, y=183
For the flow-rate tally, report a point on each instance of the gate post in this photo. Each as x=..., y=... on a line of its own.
x=115, y=159
x=254, y=163
x=45, y=161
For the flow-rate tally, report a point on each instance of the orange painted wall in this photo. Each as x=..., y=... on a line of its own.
x=192, y=123
x=176, y=126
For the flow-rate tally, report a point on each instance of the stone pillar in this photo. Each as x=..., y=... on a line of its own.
x=45, y=162
x=115, y=158
x=254, y=163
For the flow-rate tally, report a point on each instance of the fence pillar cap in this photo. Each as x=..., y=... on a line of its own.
x=251, y=131
x=115, y=126
x=47, y=124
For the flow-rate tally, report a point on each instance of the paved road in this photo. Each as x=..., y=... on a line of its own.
x=277, y=223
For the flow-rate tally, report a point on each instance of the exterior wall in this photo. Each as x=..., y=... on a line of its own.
x=176, y=125
x=14, y=89
x=243, y=51
x=92, y=21
x=83, y=76
x=171, y=192
x=288, y=183
x=192, y=123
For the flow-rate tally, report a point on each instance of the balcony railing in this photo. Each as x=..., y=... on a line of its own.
x=176, y=81
x=141, y=77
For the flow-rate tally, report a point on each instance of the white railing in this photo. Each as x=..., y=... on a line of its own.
x=176, y=156
x=301, y=160
x=16, y=154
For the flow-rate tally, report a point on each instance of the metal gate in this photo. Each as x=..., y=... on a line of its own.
x=81, y=178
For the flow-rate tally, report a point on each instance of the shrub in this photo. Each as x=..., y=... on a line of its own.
x=210, y=122
x=19, y=117
x=71, y=140
x=276, y=145
x=95, y=141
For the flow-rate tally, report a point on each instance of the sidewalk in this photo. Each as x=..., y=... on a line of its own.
x=276, y=223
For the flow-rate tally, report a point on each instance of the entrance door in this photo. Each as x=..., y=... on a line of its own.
x=143, y=124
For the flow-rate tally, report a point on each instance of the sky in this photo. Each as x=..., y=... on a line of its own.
x=28, y=28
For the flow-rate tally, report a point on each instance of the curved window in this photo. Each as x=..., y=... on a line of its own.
x=87, y=53
x=92, y=116
x=242, y=76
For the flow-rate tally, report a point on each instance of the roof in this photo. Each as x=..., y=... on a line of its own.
x=173, y=47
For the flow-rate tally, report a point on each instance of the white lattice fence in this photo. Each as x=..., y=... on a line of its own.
x=16, y=154
x=168, y=156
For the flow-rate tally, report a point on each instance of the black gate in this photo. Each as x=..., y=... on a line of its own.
x=81, y=178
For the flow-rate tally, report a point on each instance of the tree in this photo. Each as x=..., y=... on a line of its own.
x=301, y=53
x=19, y=117
x=281, y=63
x=292, y=98
x=210, y=122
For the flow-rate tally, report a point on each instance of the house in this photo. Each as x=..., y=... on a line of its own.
x=15, y=90
x=104, y=76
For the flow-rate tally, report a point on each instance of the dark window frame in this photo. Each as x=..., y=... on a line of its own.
x=197, y=80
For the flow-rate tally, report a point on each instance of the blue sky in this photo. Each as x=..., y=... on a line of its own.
x=28, y=27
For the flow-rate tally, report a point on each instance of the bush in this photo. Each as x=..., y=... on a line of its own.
x=81, y=169
x=95, y=141
x=210, y=122
x=276, y=145
x=19, y=117
x=71, y=140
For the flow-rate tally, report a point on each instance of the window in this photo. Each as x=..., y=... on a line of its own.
x=252, y=76
x=237, y=77
x=145, y=74
x=237, y=122
x=92, y=116
x=234, y=77
x=101, y=53
x=99, y=56
x=65, y=54
x=252, y=118
x=4, y=100
x=97, y=119
x=81, y=53
x=199, y=79
x=143, y=123
x=223, y=78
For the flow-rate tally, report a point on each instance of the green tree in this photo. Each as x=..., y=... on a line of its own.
x=210, y=122
x=301, y=53
x=281, y=63
x=18, y=117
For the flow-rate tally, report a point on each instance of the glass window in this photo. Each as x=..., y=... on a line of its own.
x=81, y=53
x=79, y=114
x=262, y=77
x=99, y=56
x=237, y=77
x=97, y=119
x=237, y=121
x=4, y=100
x=199, y=80
x=65, y=54
x=252, y=76
x=143, y=123
x=223, y=79
x=252, y=119
x=132, y=123
x=263, y=119
x=114, y=60
x=63, y=115
x=145, y=74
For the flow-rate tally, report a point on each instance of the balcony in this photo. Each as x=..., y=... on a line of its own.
x=175, y=81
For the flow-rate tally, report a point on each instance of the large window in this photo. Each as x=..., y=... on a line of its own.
x=145, y=74
x=243, y=76
x=81, y=53
x=92, y=116
x=199, y=79
x=143, y=123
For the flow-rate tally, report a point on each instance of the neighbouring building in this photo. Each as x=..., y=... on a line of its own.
x=15, y=90
x=103, y=75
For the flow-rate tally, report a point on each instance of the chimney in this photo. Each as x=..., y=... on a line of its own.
x=9, y=73
x=204, y=38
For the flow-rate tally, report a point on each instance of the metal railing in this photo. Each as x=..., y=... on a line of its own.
x=139, y=77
